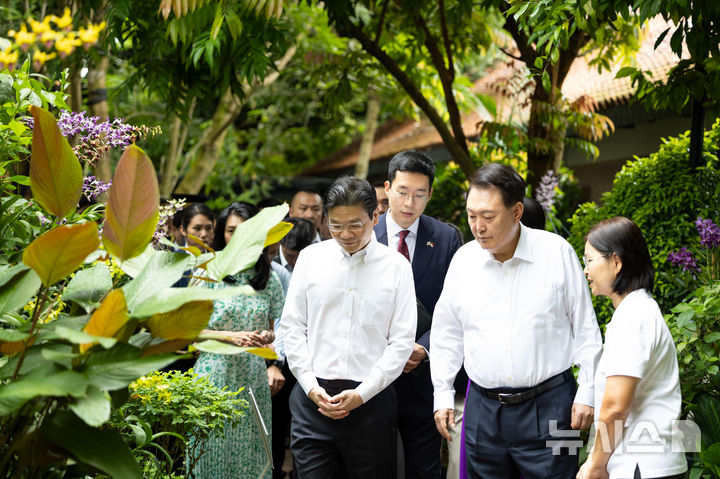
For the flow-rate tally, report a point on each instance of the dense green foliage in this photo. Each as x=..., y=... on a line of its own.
x=664, y=196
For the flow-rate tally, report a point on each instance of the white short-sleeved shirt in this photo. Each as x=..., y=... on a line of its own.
x=638, y=344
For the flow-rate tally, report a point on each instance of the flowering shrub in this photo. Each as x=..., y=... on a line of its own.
x=183, y=403
x=709, y=233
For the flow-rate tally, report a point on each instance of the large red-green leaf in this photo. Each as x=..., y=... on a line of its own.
x=107, y=320
x=132, y=208
x=55, y=174
x=186, y=322
x=57, y=253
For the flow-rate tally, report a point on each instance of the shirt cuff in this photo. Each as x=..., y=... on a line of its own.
x=585, y=395
x=444, y=400
x=308, y=382
x=366, y=391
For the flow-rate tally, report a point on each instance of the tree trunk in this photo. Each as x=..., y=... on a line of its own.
x=169, y=178
x=368, y=138
x=97, y=103
x=210, y=145
x=697, y=130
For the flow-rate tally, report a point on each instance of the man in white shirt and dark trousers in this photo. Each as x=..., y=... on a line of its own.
x=349, y=321
x=516, y=308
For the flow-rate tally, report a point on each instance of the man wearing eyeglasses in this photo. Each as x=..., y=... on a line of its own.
x=428, y=245
x=349, y=321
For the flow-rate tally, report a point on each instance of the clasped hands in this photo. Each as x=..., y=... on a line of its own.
x=338, y=406
x=257, y=338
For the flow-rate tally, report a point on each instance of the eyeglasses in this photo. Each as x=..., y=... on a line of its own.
x=586, y=261
x=353, y=227
x=405, y=196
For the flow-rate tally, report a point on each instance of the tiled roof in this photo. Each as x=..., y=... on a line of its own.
x=582, y=80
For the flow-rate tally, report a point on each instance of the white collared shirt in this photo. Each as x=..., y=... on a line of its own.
x=349, y=317
x=284, y=262
x=393, y=234
x=516, y=323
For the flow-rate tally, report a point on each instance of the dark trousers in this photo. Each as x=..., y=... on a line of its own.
x=420, y=438
x=361, y=445
x=507, y=441
x=676, y=476
x=281, y=421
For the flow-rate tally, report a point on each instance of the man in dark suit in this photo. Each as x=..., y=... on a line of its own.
x=429, y=245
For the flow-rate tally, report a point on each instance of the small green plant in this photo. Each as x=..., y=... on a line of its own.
x=167, y=409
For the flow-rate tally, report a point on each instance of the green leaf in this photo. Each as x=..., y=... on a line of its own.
x=47, y=380
x=80, y=337
x=61, y=250
x=88, y=286
x=93, y=408
x=625, y=71
x=108, y=319
x=9, y=335
x=712, y=337
x=8, y=272
x=185, y=322
x=132, y=209
x=172, y=298
x=246, y=245
x=17, y=293
x=113, y=375
x=218, y=347
x=55, y=174
x=134, y=265
x=162, y=270
x=102, y=449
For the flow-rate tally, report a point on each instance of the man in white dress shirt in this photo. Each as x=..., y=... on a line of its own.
x=349, y=321
x=516, y=309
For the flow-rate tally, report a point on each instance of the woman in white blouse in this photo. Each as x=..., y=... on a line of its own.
x=637, y=387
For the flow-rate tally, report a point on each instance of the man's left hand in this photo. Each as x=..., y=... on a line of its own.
x=417, y=356
x=346, y=401
x=276, y=380
x=581, y=416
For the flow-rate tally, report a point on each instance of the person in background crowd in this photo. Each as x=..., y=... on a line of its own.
x=349, y=323
x=428, y=245
x=533, y=215
x=244, y=320
x=198, y=221
x=382, y=199
x=515, y=309
x=307, y=204
x=637, y=384
x=300, y=236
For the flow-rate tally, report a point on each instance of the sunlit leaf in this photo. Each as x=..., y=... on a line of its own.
x=107, y=320
x=218, y=347
x=88, y=286
x=60, y=251
x=186, y=322
x=169, y=299
x=278, y=232
x=132, y=209
x=55, y=174
x=81, y=337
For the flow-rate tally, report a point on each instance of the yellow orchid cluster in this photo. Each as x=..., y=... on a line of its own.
x=41, y=34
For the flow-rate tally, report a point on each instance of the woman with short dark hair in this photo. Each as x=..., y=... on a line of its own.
x=637, y=386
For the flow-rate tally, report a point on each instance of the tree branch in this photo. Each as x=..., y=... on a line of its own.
x=510, y=54
x=527, y=52
x=457, y=150
x=446, y=39
x=381, y=21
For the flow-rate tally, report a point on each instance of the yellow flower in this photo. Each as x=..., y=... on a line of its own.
x=65, y=45
x=64, y=22
x=40, y=58
x=47, y=38
x=89, y=36
x=8, y=58
x=39, y=27
x=23, y=38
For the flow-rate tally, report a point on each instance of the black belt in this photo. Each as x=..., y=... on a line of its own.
x=336, y=386
x=509, y=396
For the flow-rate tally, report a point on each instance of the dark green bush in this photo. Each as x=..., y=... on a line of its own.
x=664, y=196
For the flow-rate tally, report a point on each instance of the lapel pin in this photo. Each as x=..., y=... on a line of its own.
x=430, y=244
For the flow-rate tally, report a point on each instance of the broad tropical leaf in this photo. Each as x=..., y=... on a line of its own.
x=19, y=291
x=88, y=286
x=93, y=408
x=278, y=232
x=164, y=301
x=43, y=381
x=132, y=209
x=107, y=320
x=56, y=177
x=218, y=347
x=186, y=322
x=247, y=243
x=161, y=271
x=57, y=253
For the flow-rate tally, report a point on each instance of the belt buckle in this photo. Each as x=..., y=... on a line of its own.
x=504, y=398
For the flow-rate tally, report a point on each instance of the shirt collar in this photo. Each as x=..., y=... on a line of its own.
x=523, y=249
x=393, y=228
x=360, y=257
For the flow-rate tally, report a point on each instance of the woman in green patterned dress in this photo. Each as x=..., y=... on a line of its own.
x=246, y=321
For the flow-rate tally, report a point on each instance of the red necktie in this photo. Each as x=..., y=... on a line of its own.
x=402, y=245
